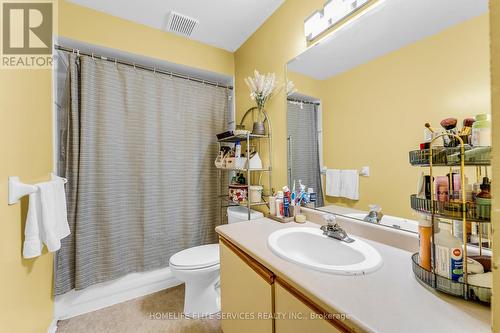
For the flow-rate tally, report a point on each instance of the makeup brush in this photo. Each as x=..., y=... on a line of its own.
x=449, y=123
x=467, y=128
x=430, y=128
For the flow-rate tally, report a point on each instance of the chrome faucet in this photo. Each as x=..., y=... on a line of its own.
x=333, y=230
x=375, y=215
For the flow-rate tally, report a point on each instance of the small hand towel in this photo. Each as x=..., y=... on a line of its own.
x=33, y=238
x=54, y=219
x=333, y=182
x=350, y=184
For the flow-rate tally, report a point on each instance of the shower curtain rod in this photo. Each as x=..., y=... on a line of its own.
x=144, y=67
x=303, y=102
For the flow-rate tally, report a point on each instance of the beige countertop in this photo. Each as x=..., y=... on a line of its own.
x=389, y=300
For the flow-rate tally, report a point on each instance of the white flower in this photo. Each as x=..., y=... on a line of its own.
x=290, y=88
x=262, y=87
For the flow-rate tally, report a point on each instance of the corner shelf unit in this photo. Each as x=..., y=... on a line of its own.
x=456, y=210
x=248, y=138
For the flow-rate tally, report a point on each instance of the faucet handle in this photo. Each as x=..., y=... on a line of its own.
x=330, y=219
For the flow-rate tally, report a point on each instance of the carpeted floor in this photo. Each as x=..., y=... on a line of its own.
x=156, y=313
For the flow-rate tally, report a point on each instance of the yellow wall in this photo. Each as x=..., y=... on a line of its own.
x=277, y=41
x=375, y=113
x=84, y=24
x=495, y=82
x=306, y=85
x=26, y=147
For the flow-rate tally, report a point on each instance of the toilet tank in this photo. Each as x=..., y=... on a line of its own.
x=239, y=214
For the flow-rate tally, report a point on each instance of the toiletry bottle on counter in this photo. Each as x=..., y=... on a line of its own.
x=481, y=130
x=286, y=206
x=272, y=205
x=424, y=242
x=449, y=254
x=279, y=204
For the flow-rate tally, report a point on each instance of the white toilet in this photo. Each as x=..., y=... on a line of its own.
x=198, y=267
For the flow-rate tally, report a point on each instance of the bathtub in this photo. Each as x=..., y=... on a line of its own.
x=390, y=221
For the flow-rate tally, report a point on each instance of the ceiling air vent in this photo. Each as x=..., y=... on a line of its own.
x=181, y=24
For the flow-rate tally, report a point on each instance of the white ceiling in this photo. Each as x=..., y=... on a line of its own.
x=223, y=23
x=391, y=25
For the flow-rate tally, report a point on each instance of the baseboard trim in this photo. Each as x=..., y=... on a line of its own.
x=52, y=327
x=75, y=303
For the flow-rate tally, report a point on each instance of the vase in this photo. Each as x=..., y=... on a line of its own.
x=258, y=126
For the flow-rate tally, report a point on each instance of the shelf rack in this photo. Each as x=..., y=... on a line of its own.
x=455, y=210
x=248, y=138
x=442, y=156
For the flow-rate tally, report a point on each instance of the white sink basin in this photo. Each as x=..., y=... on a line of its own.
x=310, y=248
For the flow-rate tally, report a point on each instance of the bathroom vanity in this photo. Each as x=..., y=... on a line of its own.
x=261, y=292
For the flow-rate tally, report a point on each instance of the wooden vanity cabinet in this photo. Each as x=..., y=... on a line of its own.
x=246, y=292
x=293, y=315
x=254, y=300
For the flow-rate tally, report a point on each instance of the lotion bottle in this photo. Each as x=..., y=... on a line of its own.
x=449, y=253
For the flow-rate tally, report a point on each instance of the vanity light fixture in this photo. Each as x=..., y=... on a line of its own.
x=315, y=25
x=332, y=13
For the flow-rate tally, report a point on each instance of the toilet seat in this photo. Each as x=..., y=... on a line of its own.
x=198, y=257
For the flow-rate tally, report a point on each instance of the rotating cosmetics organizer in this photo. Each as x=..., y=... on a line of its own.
x=459, y=211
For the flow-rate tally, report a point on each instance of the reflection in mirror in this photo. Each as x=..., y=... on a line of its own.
x=369, y=87
x=303, y=118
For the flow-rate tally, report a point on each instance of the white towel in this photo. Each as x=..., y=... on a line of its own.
x=33, y=238
x=47, y=218
x=54, y=219
x=333, y=182
x=350, y=184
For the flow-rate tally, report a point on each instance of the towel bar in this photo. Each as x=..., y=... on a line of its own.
x=364, y=171
x=17, y=190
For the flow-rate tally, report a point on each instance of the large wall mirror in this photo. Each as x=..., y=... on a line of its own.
x=364, y=93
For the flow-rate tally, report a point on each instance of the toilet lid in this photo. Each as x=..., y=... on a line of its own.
x=196, y=257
